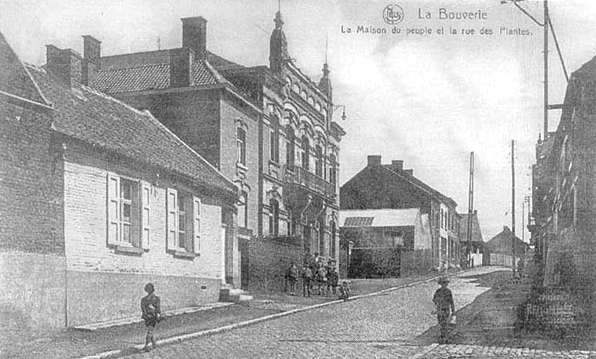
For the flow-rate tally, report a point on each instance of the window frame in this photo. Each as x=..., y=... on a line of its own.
x=241, y=145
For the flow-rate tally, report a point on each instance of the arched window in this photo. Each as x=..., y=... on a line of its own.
x=274, y=217
x=303, y=94
x=305, y=152
x=318, y=161
x=241, y=145
x=311, y=100
x=318, y=107
x=296, y=88
x=291, y=151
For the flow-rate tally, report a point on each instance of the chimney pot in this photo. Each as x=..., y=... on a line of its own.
x=374, y=160
x=181, y=61
x=194, y=35
x=65, y=64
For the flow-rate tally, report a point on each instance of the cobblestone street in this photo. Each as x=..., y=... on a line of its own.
x=383, y=326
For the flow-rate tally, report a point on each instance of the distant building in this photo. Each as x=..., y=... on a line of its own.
x=387, y=233
x=479, y=253
x=97, y=200
x=380, y=186
x=267, y=128
x=501, y=248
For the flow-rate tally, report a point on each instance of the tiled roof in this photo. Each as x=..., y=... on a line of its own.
x=358, y=221
x=386, y=217
x=14, y=78
x=501, y=243
x=100, y=120
x=418, y=183
x=150, y=77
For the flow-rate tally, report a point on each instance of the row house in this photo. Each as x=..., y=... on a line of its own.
x=564, y=192
x=391, y=186
x=267, y=128
x=98, y=199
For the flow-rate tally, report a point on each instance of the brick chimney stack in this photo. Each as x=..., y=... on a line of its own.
x=194, y=35
x=397, y=165
x=181, y=61
x=374, y=160
x=91, y=59
x=64, y=64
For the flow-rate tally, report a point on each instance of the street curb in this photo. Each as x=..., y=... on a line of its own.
x=180, y=338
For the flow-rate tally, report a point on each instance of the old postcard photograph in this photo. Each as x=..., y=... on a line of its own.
x=298, y=179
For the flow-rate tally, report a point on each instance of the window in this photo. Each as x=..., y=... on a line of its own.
x=274, y=217
x=318, y=161
x=332, y=240
x=184, y=222
x=311, y=101
x=296, y=88
x=128, y=212
x=243, y=210
x=241, y=145
x=442, y=218
x=274, y=140
x=305, y=152
x=325, y=114
x=290, y=152
x=303, y=94
x=333, y=170
x=318, y=106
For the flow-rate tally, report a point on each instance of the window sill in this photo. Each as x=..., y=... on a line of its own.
x=126, y=249
x=184, y=254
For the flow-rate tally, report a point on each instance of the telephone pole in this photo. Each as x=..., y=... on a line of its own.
x=513, y=206
x=545, y=31
x=470, y=211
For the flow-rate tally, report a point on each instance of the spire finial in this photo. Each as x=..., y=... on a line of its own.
x=326, y=46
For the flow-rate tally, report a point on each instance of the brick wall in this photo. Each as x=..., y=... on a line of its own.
x=269, y=260
x=30, y=191
x=96, y=271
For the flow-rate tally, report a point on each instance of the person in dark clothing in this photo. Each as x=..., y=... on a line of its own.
x=332, y=280
x=344, y=291
x=306, y=279
x=445, y=308
x=292, y=276
x=151, y=309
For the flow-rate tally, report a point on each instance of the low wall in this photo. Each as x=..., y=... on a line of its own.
x=269, y=260
x=99, y=296
x=32, y=292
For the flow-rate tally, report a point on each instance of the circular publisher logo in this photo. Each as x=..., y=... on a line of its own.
x=393, y=14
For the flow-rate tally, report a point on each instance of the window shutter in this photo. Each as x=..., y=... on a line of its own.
x=196, y=232
x=145, y=214
x=113, y=208
x=135, y=219
x=172, y=209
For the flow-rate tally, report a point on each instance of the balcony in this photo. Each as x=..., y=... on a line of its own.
x=299, y=176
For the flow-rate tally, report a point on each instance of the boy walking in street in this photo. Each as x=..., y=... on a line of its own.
x=445, y=308
x=150, y=306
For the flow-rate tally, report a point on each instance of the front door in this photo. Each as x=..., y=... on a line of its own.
x=244, y=267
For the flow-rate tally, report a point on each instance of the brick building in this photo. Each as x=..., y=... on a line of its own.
x=99, y=198
x=391, y=186
x=267, y=128
x=564, y=193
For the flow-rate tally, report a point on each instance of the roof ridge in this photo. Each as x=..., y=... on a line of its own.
x=423, y=184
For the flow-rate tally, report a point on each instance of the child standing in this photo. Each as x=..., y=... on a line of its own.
x=445, y=307
x=150, y=306
x=306, y=278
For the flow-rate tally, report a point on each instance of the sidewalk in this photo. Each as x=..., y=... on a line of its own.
x=72, y=343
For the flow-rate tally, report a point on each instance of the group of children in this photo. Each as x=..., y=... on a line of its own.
x=317, y=276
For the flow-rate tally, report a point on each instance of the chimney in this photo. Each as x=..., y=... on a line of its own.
x=409, y=172
x=374, y=160
x=194, y=35
x=397, y=165
x=475, y=212
x=64, y=64
x=181, y=61
x=91, y=59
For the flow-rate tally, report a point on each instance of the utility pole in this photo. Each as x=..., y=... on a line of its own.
x=470, y=211
x=513, y=206
x=545, y=30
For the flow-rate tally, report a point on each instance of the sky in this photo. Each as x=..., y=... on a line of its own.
x=426, y=99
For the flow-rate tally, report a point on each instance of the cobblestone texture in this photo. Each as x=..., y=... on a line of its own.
x=383, y=326
x=477, y=351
